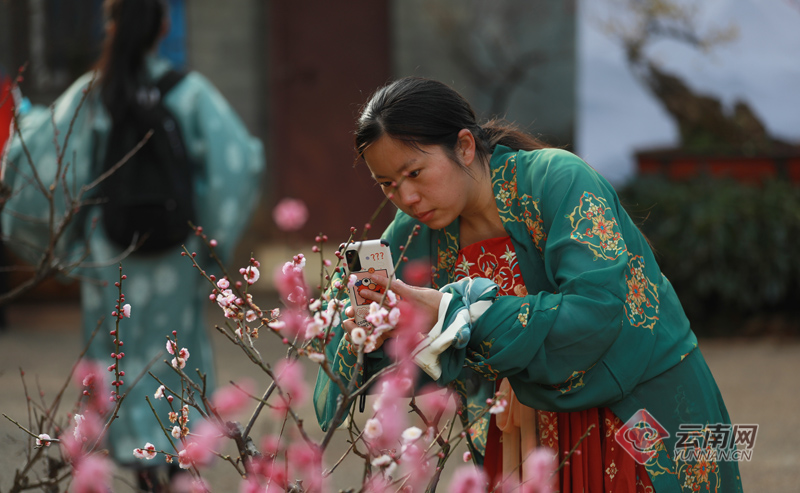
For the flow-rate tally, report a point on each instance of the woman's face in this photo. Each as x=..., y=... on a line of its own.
x=430, y=186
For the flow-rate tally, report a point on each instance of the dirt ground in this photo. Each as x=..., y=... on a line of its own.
x=757, y=377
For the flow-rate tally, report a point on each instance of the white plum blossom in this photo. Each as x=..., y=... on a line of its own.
x=377, y=314
x=373, y=428
x=176, y=431
x=391, y=298
x=315, y=305
x=184, y=459
x=251, y=274
x=178, y=363
x=147, y=452
x=358, y=335
x=226, y=298
x=352, y=280
x=251, y=316
x=382, y=461
x=498, y=407
x=276, y=325
x=159, y=392
x=317, y=357
x=126, y=310
x=79, y=419
x=411, y=434
x=394, y=317
x=44, y=439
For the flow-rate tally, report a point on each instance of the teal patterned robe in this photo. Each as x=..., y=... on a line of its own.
x=164, y=290
x=600, y=326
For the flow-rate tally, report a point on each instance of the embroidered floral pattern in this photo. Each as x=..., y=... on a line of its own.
x=470, y=412
x=547, y=421
x=446, y=256
x=512, y=207
x=523, y=315
x=348, y=353
x=476, y=361
x=575, y=381
x=593, y=225
x=641, y=302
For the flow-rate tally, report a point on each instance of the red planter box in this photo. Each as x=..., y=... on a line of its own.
x=679, y=166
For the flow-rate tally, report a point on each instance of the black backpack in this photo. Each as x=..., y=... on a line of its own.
x=151, y=195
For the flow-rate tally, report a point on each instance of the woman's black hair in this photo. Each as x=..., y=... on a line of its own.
x=134, y=29
x=422, y=111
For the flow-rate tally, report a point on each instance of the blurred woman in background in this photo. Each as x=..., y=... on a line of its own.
x=161, y=287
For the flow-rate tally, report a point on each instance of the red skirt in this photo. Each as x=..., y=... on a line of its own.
x=598, y=464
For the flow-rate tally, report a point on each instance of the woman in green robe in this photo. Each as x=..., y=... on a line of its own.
x=162, y=288
x=597, y=327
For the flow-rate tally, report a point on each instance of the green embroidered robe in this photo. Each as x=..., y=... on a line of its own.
x=600, y=326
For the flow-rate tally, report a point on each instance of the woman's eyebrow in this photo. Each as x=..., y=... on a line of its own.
x=404, y=167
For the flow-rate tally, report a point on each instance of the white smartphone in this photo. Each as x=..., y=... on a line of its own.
x=363, y=259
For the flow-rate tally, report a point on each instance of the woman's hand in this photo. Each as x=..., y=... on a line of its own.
x=424, y=299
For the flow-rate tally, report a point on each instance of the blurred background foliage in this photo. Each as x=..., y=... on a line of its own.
x=728, y=248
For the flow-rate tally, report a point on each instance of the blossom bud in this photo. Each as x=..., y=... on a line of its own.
x=169, y=398
x=85, y=392
x=122, y=373
x=124, y=276
x=116, y=284
x=213, y=243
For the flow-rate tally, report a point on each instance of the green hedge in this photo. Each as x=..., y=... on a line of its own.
x=728, y=248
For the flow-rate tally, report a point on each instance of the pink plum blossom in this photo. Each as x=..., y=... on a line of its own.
x=289, y=376
x=468, y=479
x=417, y=273
x=171, y=347
x=92, y=474
x=539, y=468
x=251, y=316
x=223, y=284
x=410, y=323
x=290, y=214
x=229, y=400
x=126, y=310
x=467, y=456
x=305, y=464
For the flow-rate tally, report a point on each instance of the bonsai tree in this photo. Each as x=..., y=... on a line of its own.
x=704, y=124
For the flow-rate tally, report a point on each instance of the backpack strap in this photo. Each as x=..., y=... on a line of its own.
x=169, y=80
